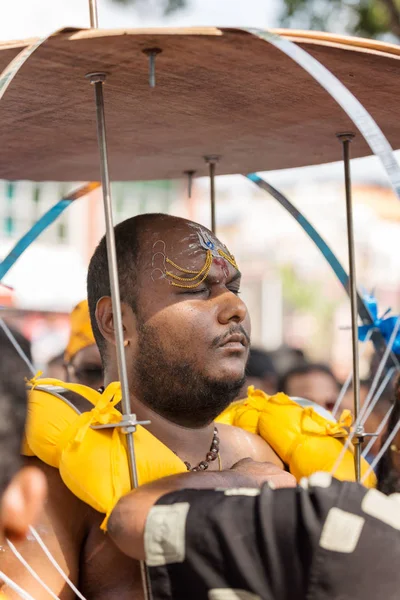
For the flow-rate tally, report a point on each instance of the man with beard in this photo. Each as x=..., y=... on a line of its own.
x=186, y=336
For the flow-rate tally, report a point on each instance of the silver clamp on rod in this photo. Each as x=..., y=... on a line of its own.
x=128, y=424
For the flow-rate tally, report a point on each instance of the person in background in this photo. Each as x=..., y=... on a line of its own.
x=56, y=367
x=22, y=489
x=286, y=358
x=82, y=357
x=311, y=381
x=348, y=399
x=260, y=372
x=388, y=471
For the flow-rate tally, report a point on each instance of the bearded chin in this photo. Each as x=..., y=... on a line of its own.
x=176, y=390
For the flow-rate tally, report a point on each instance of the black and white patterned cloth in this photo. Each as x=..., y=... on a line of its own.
x=323, y=540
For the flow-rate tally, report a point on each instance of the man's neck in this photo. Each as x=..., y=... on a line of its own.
x=189, y=444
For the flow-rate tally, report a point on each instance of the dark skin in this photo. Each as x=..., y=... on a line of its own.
x=127, y=522
x=187, y=324
x=85, y=367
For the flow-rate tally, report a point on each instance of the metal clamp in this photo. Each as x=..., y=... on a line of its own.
x=127, y=424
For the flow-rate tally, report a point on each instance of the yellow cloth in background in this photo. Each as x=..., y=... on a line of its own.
x=81, y=331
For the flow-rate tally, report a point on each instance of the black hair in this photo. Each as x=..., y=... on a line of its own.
x=305, y=369
x=260, y=364
x=13, y=372
x=98, y=281
x=387, y=474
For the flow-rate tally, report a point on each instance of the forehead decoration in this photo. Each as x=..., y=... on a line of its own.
x=207, y=243
x=188, y=278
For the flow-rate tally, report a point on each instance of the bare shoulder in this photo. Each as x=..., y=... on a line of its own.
x=243, y=444
x=61, y=505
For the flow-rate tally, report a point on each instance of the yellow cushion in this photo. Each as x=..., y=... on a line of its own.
x=303, y=439
x=93, y=463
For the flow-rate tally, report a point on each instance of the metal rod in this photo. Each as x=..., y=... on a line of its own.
x=381, y=427
x=345, y=139
x=382, y=451
x=349, y=379
x=212, y=161
x=94, y=19
x=360, y=420
x=189, y=175
x=152, y=53
x=17, y=347
x=212, y=196
x=97, y=79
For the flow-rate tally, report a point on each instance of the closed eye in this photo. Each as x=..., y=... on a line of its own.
x=195, y=291
x=234, y=284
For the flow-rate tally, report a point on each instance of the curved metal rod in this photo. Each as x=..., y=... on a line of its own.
x=372, y=134
x=361, y=118
x=365, y=315
x=45, y=221
x=18, y=61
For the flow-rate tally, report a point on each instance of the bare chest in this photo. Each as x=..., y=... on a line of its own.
x=106, y=573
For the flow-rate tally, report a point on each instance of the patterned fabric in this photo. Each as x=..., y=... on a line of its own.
x=81, y=331
x=324, y=540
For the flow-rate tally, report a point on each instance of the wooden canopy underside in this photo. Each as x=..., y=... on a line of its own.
x=219, y=91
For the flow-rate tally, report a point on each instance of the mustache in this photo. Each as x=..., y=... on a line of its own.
x=231, y=331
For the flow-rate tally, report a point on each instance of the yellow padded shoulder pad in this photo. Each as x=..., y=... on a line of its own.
x=93, y=463
x=303, y=439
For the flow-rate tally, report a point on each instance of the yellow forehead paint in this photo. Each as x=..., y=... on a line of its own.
x=196, y=277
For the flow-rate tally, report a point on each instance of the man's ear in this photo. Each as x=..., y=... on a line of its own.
x=23, y=502
x=105, y=320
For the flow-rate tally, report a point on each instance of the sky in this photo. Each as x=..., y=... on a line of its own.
x=31, y=18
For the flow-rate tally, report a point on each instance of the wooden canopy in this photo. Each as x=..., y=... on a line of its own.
x=219, y=91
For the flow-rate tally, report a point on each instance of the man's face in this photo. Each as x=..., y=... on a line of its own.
x=192, y=342
x=86, y=367
x=316, y=386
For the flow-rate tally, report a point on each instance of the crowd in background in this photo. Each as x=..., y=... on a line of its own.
x=289, y=370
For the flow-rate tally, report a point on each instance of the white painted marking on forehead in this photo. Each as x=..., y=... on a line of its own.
x=341, y=531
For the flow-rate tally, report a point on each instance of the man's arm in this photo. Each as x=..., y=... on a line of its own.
x=127, y=522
